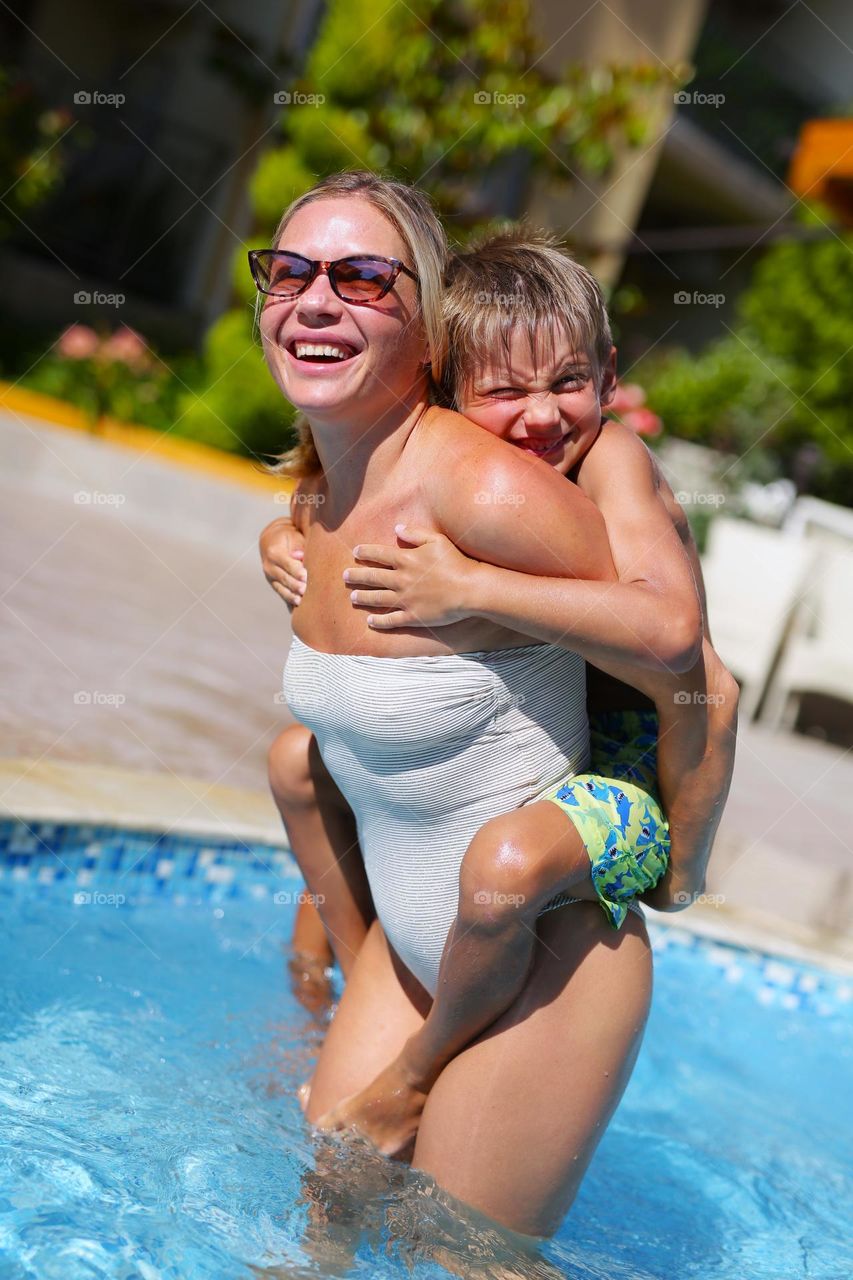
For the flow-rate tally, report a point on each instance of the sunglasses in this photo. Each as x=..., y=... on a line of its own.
x=360, y=279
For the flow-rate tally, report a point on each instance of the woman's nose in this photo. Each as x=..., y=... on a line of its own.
x=319, y=299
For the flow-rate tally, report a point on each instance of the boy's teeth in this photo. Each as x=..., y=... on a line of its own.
x=304, y=349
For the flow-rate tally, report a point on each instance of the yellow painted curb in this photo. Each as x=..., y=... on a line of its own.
x=183, y=453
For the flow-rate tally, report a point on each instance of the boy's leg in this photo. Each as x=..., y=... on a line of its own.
x=322, y=832
x=515, y=865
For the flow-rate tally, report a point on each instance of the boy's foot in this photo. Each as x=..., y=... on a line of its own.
x=387, y=1113
x=310, y=981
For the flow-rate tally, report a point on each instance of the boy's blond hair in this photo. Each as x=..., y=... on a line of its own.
x=519, y=278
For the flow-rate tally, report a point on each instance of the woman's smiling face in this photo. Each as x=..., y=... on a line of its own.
x=549, y=406
x=374, y=354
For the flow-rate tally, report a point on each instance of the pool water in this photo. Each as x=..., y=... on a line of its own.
x=150, y=1047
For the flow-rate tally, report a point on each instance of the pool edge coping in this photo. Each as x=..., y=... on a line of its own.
x=103, y=795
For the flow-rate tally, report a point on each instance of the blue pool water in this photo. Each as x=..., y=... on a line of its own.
x=150, y=1047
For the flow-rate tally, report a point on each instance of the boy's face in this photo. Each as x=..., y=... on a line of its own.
x=549, y=407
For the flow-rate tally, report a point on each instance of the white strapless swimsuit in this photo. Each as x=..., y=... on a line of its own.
x=427, y=749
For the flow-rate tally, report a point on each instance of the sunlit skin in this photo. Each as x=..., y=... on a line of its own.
x=551, y=397
x=554, y=399
x=383, y=366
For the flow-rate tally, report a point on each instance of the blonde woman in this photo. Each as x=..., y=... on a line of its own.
x=428, y=734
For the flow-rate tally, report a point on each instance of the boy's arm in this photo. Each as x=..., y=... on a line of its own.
x=281, y=545
x=651, y=617
x=697, y=715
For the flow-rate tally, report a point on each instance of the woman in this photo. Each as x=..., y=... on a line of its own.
x=350, y=343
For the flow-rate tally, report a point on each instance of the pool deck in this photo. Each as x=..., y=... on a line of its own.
x=142, y=673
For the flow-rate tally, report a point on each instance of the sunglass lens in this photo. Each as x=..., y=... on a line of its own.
x=362, y=279
x=283, y=274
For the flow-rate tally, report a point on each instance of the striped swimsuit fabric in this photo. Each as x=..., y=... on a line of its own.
x=427, y=749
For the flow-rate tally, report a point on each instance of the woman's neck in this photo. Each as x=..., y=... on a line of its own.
x=357, y=463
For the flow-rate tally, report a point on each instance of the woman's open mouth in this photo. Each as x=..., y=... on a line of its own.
x=320, y=353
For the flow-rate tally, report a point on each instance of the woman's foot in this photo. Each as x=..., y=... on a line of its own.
x=387, y=1113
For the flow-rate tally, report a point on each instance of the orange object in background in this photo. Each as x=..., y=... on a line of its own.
x=822, y=165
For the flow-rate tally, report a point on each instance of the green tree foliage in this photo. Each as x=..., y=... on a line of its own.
x=783, y=378
x=446, y=94
x=30, y=157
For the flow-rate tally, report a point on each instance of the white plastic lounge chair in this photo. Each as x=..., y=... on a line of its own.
x=754, y=577
x=818, y=657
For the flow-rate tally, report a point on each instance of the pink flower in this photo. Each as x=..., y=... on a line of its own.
x=125, y=346
x=629, y=395
x=78, y=342
x=643, y=421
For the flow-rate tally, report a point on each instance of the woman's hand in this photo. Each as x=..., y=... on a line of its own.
x=425, y=584
x=282, y=551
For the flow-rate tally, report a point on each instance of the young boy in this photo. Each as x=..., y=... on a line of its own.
x=540, y=383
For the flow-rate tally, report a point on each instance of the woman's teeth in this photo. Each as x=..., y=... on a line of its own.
x=318, y=351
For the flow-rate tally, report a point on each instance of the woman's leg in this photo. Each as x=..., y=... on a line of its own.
x=322, y=832
x=512, y=1122
x=381, y=1006
x=514, y=866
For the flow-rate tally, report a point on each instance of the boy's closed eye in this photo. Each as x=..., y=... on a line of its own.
x=572, y=380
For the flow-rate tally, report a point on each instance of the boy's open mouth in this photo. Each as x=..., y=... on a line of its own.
x=540, y=448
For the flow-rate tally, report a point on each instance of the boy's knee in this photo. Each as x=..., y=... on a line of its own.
x=289, y=765
x=503, y=874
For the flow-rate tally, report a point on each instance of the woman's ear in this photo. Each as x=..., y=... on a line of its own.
x=608, y=379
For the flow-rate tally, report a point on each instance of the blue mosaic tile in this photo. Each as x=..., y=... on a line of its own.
x=37, y=857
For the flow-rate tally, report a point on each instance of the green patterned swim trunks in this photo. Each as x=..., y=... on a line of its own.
x=616, y=809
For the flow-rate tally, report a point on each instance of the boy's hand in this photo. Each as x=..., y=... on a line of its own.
x=423, y=584
x=282, y=551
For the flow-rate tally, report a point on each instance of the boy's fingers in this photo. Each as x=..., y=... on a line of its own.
x=289, y=597
x=373, y=599
x=388, y=621
x=359, y=576
x=416, y=537
x=376, y=553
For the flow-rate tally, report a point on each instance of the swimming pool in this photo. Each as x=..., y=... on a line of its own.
x=150, y=1046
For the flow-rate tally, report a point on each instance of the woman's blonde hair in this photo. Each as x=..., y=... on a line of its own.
x=412, y=216
x=517, y=279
